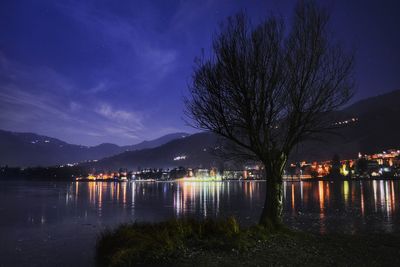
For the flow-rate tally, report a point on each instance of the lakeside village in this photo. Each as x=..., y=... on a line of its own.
x=385, y=165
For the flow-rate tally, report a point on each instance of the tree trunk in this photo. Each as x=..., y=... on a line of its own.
x=272, y=212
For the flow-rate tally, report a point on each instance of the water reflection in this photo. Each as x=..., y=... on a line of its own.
x=323, y=205
x=348, y=205
x=362, y=200
x=204, y=197
x=323, y=202
x=43, y=218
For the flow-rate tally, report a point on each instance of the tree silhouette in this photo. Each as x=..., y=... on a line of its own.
x=335, y=169
x=266, y=89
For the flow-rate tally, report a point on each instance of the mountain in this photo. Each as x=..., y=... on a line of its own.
x=377, y=128
x=156, y=142
x=193, y=150
x=372, y=125
x=29, y=149
x=383, y=102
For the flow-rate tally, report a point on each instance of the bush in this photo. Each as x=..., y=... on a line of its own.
x=151, y=243
x=224, y=243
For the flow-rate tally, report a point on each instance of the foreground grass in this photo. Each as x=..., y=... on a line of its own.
x=224, y=243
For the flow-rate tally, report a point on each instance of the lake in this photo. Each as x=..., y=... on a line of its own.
x=56, y=223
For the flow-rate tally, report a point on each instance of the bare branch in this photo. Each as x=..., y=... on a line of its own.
x=267, y=90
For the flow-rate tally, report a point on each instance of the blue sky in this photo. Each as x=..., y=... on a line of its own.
x=89, y=72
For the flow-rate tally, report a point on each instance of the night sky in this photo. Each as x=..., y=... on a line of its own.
x=89, y=72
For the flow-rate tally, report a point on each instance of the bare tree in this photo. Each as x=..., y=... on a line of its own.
x=267, y=89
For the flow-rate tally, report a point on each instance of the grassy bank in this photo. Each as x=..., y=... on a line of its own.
x=224, y=243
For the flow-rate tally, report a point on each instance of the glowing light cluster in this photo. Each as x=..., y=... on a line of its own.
x=181, y=157
x=352, y=120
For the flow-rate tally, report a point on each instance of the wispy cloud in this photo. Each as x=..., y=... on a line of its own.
x=75, y=107
x=113, y=63
x=145, y=53
x=120, y=116
x=30, y=103
x=99, y=87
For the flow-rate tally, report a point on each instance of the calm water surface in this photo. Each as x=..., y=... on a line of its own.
x=57, y=223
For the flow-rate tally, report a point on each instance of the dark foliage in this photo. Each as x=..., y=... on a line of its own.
x=224, y=243
x=144, y=243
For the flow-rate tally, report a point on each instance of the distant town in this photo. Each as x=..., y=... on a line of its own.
x=380, y=165
x=374, y=166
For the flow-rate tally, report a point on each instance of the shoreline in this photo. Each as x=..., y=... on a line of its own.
x=181, y=242
x=31, y=179
x=195, y=180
